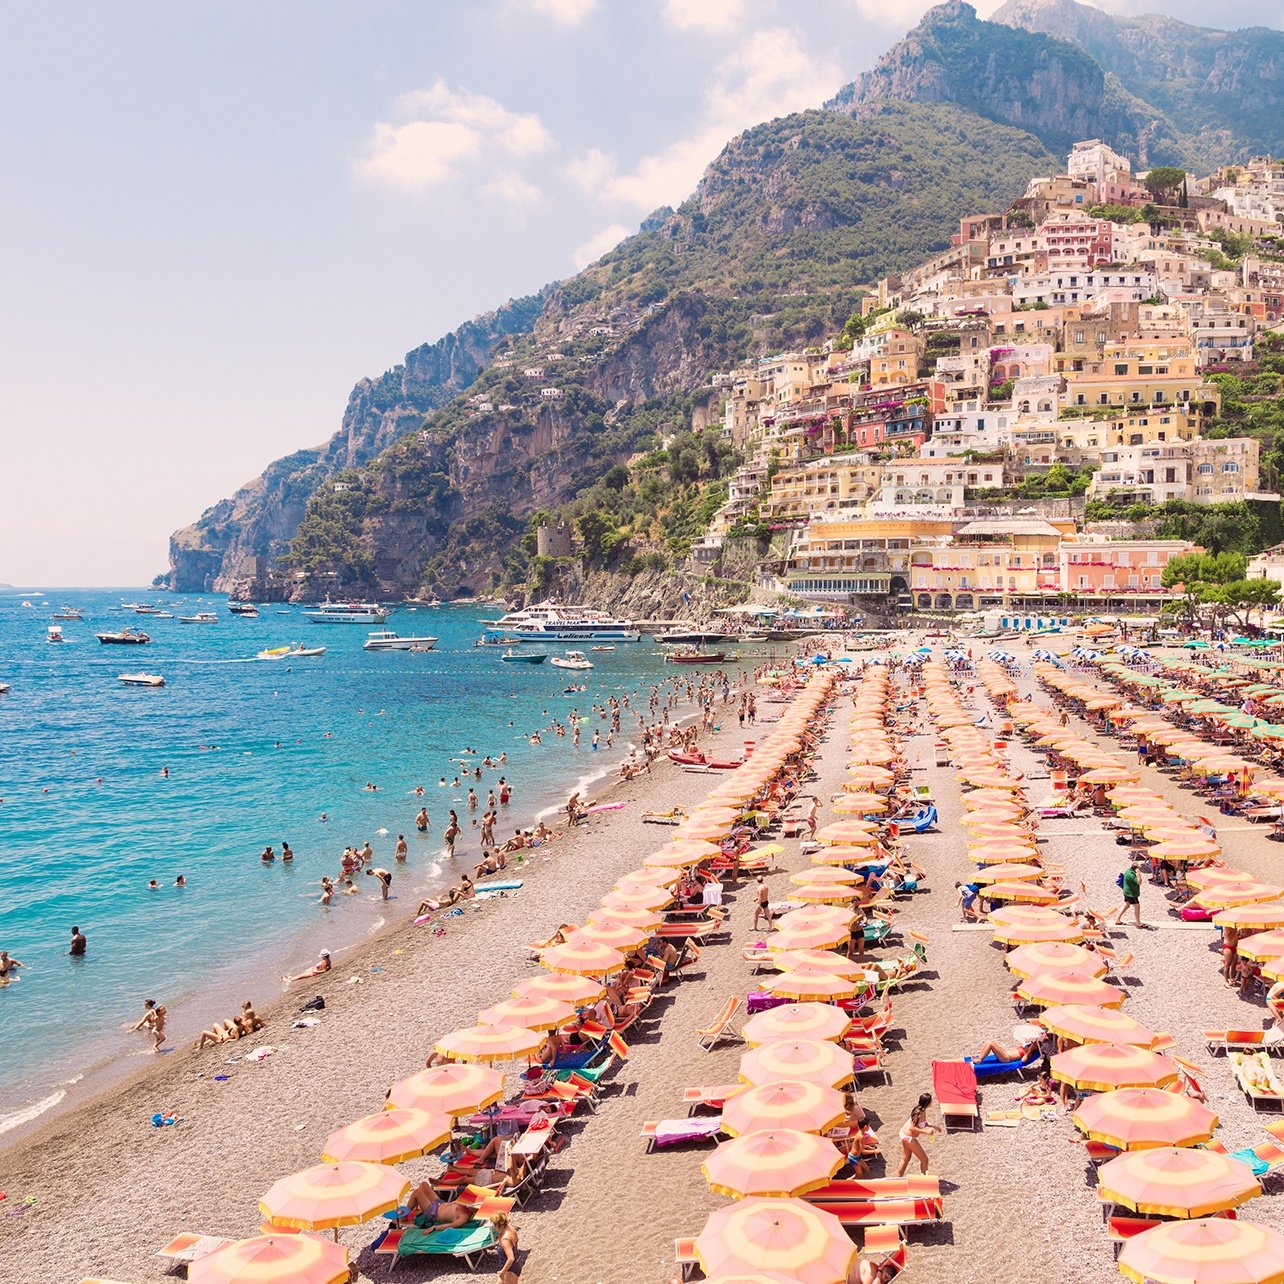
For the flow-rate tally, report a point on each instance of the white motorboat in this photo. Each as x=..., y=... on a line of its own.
x=295, y=652
x=549, y=622
x=142, y=679
x=54, y=633
x=201, y=617
x=387, y=640
x=571, y=660
x=67, y=613
x=4, y=688
x=346, y=613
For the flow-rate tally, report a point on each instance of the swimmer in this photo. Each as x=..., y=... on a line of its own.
x=79, y=943
x=327, y=890
x=153, y=1018
x=286, y=852
x=421, y=821
x=402, y=850
x=268, y=855
x=384, y=877
x=153, y=886
x=8, y=966
x=180, y=881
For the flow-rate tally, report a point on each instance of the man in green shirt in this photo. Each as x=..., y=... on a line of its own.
x=1132, y=894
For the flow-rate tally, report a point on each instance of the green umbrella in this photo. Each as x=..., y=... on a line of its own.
x=1195, y=645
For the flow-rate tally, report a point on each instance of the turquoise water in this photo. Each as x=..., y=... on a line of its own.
x=256, y=752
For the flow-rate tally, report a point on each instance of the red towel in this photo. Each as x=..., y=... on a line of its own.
x=954, y=1082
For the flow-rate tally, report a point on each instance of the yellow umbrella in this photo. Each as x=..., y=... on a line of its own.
x=388, y=1138
x=788, y=1235
x=808, y=1060
x=1176, y=1182
x=780, y=1162
x=1206, y=1250
x=273, y=1259
x=810, y=1107
x=333, y=1195
x=489, y=1043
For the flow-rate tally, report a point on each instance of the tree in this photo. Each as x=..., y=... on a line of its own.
x=1203, y=578
x=593, y=527
x=1165, y=181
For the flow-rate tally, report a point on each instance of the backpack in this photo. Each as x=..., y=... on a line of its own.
x=313, y=1005
x=1119, y=880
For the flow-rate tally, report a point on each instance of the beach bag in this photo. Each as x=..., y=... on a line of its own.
x=1119, y=880
x=313, y=1005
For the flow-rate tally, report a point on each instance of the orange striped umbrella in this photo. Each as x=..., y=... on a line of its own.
x=680, y=859
x=875, y=754
x=825, y=960
x=827, y=874
x=808, y=915
x=857, y=850
x=333, y=1195
x=450, y=1090
x=983, y=779
x=1225, y=895
x=810, y=936
x=862, y=777
x=1176, y=1182
x=564, y=987
x=842, y=832
x=860, y=805
x=811, y=983
x=825, y=893
x=797, y=1021
x=584, y=958
x=1261, y=946
x=632, y=917
x=273, y=1259
x=1270, y=914
x=809, y=1107
x=787, y=1235
x=388, y=1138
x=1144, y=1118
x=637, y=898
x=1003, y=853
x=984, y=832
x=1035, y=933
x=647, y=879
x=1034, y=915
x=1085, y=1023
x=1007, y=872
x=1100, y=1067
x=775, y=1162
x=1029, y=892
x=1207, y=875
x=809, y=1060
x=1050, y=989
x=1110, y=774
x=1185, y=848
x=1207, y=1250
x=489, y=1043
x=617, y=936
x=531, y=1012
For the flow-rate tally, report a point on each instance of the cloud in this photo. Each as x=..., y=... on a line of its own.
x=598, y=244
x=438, y=128
x=712, y=17
x=768, y=75
x=510, y=187
x=570, y=13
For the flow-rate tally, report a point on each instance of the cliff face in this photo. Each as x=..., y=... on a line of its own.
x=1036, y=81
x=221, y=548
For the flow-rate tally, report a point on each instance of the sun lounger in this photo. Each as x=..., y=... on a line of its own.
x=470, y=1241
x=684, y=1256
x=955, y=1085
x=1239, y=1040
x=922, y=823
x=712, y=1096
x=189, y=1247
x=663, y=1133
x=886, y=1212
x=720, y=1028
x=993, y=1068
x=869, y=1061
x=1119, y=1230
x=700, y=930
x=1257, y=1080
x=876, y=1188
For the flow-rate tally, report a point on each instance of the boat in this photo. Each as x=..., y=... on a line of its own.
x=306, y=652
x=247, y=609
x=274, y=653
x=4, y=688
x=601, y=648
x=67, y=613
x=126, y=637
x=346, y=613
x=142, y=679
x=695, y=657
x=491, y=640
x=144, y=608
x=694, y=758
x=162, y=615
x=549, y=622
x=572, y=660
x=387, y=640
x=55, y=633
x=516, y=657
x=692, y=637
x=201, y=617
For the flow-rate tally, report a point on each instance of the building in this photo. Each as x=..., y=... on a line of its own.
x=1201, y=470
x=1094, y=567
x=1138, y=374
x=820, y=487
x=992, y=562
x=845, y=560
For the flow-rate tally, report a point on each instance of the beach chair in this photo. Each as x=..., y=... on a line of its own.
x=663, y=1133
x=1224, y=1041
x=993, y=1068
x=955, y=1085
x=869, y=1061
x=711, y=1096
x=188, y=1247
x=684, y=1257
x=923, y=823
x=1256, y=1080
x=1119, y=1230
x=720, y=1028
x=471, y=1241
x=887, y=1212
x=876, y=1188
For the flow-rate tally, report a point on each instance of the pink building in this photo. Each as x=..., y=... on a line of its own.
x=1093, y=566
x=1079, y=243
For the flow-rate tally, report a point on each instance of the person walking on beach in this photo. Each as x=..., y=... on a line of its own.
x=488, y=829
x=1131, y=886
x=915, y=1126
x=453, y=831
x=79, y=944
x=153, y=1018
x=762, y=909
x=384, y=877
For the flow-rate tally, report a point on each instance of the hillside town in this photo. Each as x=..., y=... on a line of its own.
x=975, y=437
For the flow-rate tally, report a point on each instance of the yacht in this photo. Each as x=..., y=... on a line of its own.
x=572, y=660
x=346, y=613
x=142, y=679
x=201, y=617
x=126, y=637
x=692, y=637
x=67, y=613
x=549, y=622
x=247, y=609
x=386, y=640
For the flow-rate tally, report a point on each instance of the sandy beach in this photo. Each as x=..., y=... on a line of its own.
x=1019, y=1201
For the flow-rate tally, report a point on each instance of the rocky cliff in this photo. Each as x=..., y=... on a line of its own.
x=236, y=539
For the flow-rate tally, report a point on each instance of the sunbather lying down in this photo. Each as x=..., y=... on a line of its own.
x=496, y=1166
x=425, y=1210
x=1006, y=1051
x=866, y=1272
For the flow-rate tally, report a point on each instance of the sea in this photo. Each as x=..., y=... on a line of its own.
x=105, y=787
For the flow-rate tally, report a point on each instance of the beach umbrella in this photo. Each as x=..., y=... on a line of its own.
x=788, y=1235
x=1060, y=987
x=1209, y=875
x=1144, y=1118
x=579, y=990
x=1261, y=946
x=842, y=832
x=825, y=893
x=1206, y=1250
x=649, y=919
x=332, y=1195
x=983, y=832
x=808, y=1060
x=991, y=779
x=530, y=1012
x=1007, y=872
x=809, y=915
x=700, y=827
x=617, y=936
x=1221, y=895
x=810, y=936
x=582, y=958
x=1029, y=892
x=1101, y=1067
x=828, y=874
x=1034, y=933
x=1110, y=775
x=860, y=850
x=273, y=1259
x=810, y=1107
x=812, y=983
x=451, y=1090
x=389, y=1137
x=860, y=805
x=647, y=879
x=1185, y=849
x=1176, y=1182
x=676, y=859
x=764, y=852
x=775, y=1162
x=797, y=1021
x=1249, y=917
x=1036, y=915
x=995, y=852
x=824, y=960
x=1085, y=1023
x=489, y=1043
x=637, y=898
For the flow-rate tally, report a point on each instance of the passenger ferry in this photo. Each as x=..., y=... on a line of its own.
x=346, y=613
x=549, y=622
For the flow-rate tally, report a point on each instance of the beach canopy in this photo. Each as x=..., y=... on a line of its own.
x=780, y=1162
x=1176, y=1182
x=489, y=1043
x=798, y=1239
x=390, y=1137
x=797, y=1021
x=273, y=1259
x=819, y=935
x=1208, y=1250
x=584, y=958
x=1085, y=1023
x=807, y=1060
x=1144, y=1118
x=1062, y=986
x=1037, y=959
x=332, y=1195
x=809, y=1107
x=568, y=989
x=1101, y=1067
x=812, y=983
x=452, y=1090
x=531, y=1011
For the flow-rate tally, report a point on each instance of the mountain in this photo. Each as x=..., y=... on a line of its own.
x=768, y=253
x=1159, y=90
x=1225, y=88
x=220, y=548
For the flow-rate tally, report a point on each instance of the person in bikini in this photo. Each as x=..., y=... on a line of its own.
x=427, y=1211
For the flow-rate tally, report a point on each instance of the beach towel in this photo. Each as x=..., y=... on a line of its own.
x=471, y=1237
x=954, y=1082
x=677, y=1132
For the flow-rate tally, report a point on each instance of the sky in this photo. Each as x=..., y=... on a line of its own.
x=217, y=217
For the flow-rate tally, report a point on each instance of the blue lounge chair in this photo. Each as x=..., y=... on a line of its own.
x=993, y=1068
x=920, y=824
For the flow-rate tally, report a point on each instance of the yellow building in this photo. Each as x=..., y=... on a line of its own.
x=823, y=485
x=1138, y=374
x=987, y=563
x=1142, y=429
x=899, y=360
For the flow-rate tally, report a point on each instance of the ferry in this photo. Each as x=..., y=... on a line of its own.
x=346, y=613
x=386, y=640
x=549, y=622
